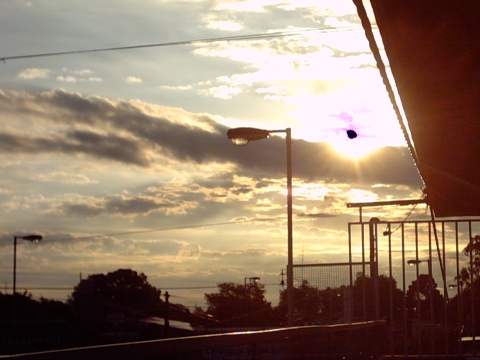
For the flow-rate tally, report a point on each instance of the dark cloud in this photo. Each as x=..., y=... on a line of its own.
x=84, y=210
x=125, y=206
x=74, y=143
x=316, y=215
x=108, y=146
x=126, y=132
x=315, y=161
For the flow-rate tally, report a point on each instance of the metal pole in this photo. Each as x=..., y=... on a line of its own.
x=419, y=338
x=374, y=264
x=289, y=228
x=430, y=295
x=14, y=265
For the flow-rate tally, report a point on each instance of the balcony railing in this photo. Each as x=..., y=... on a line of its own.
x=346, y=341
x=407, y=272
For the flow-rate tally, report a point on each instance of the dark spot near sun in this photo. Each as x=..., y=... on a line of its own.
x=351, y=134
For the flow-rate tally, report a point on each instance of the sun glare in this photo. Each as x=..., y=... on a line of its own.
x=353, y=148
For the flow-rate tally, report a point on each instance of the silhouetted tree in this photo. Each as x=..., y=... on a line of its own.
x=332, y=305
x=26, y=308
x=239, y=305
x=469, y=289
x=423, y=297
x=25, y=318
x=123, y=291
x=391, y=302
x=470, y=274
x=307, y=304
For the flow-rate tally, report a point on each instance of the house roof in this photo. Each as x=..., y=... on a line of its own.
x=433, y=49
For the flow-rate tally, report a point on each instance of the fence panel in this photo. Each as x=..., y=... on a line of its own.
x=407, y=272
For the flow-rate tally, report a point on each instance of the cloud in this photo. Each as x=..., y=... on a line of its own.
x=316, y=215
x=223, y=91
x=128, y=206
x=33, y=73
x=190, y=251
x=133, y=80
x=225, y=25
x=82, y=72
x=65, y=177
x=69, y=79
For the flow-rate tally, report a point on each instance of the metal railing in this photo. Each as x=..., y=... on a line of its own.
x=406, y=273
x=359, y=341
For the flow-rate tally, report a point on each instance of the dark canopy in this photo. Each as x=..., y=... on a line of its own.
x=433, y=48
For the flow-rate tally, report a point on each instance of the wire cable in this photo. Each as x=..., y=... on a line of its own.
x=171, y=228
x=250, y=37
x=402, y=222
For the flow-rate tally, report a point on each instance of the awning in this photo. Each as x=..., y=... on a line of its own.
x=433, y=48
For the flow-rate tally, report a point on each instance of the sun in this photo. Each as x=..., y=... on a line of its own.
x=343, y=144
x=355, y=148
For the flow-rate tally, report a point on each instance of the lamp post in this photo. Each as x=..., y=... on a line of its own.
x=242, y=136
x=460, y=314
x=416, y=262
x=31, y=238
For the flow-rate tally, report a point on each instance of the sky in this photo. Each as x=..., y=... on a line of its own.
x=120, y=159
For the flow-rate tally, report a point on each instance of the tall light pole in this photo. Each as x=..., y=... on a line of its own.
x=416, y=262
x=242, y=136
x=31, y=238
x=430, y=284
x=459, y=287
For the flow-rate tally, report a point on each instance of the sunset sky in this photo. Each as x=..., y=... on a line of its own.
x=120, y=159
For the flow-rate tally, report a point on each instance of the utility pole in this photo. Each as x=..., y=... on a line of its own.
x=167, y=323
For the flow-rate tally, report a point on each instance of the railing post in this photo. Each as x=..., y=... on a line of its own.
x=374, y=264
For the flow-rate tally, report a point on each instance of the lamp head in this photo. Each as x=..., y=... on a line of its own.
x=243, y=135
x=33, y=238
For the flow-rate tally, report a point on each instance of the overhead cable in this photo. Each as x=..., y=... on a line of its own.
x=250, y=37
x=175, y=228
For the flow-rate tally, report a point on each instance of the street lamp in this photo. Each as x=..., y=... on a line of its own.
x=460, y=312
x=31, y=238
x=417, y=262
x=242, y=136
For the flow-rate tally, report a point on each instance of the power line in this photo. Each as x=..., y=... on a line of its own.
x=250, y=37
x=160, y=288
x=46, y=288
x=202, y=287
x=189, y=288
x=173, y=228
